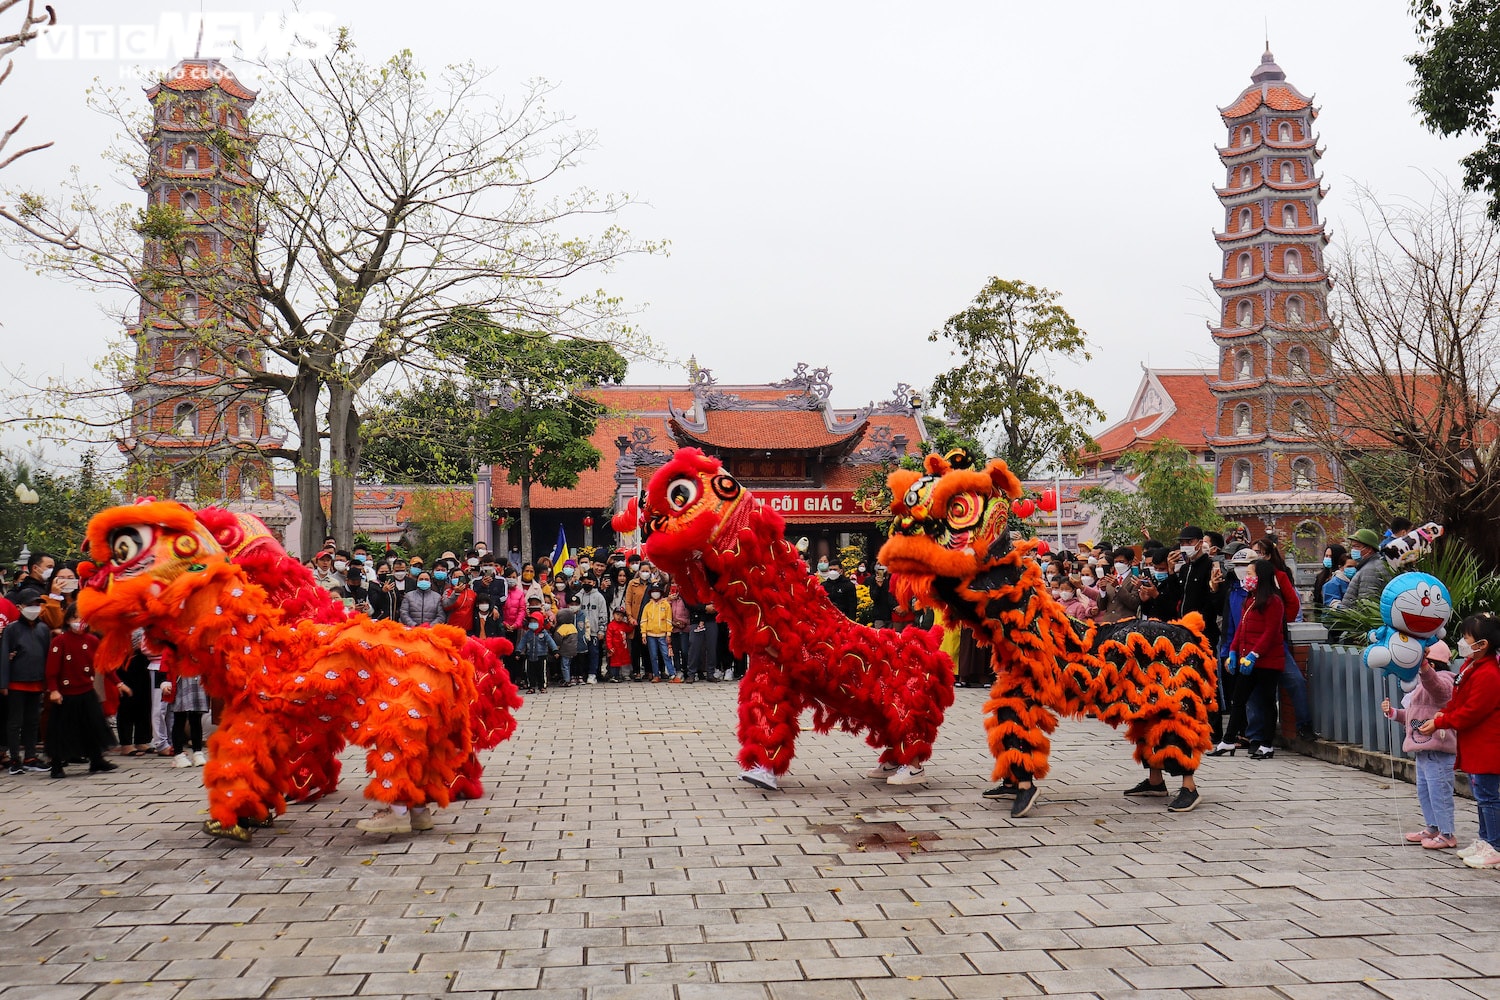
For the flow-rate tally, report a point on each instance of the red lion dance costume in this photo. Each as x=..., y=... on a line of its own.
x=724, y=547
x=410, y=695
x=950, y=548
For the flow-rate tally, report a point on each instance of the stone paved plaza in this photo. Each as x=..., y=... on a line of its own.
x=608, y=863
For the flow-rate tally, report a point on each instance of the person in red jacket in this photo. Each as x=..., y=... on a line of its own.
x=1258, y=657
x=1474, y=712
x=617, y=644
x=76, y=727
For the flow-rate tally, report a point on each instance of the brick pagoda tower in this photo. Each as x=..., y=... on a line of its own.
x=197, y=432
x=1272, y=388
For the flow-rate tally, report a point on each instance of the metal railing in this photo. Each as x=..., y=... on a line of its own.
x=1345, y=697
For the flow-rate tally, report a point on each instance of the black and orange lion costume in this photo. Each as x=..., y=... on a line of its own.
x=951, y=549
x=409, y=695
x=724, y=547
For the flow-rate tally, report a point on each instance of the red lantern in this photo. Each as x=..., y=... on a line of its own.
x=588, y=522
x=1042, y=548
x=1023, y=508
x=1049, y=500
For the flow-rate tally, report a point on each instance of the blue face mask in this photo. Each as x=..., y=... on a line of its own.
x=568, y=571
x=1349, y=571
x=424, y=584
x=440, y=576
x=1160, y=574
x=1328, y=562
x=533, y=626
x=1356, y=554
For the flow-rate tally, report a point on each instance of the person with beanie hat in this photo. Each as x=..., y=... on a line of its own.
x=1437, y=753
x=534, y=645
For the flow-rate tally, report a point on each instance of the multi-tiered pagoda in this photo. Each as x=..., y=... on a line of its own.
x=198, y=431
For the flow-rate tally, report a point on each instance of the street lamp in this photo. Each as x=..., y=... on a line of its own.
x=27, y=497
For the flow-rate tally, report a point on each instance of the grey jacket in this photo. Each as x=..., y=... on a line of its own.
x=591, y=605
x=1368, y=581
x=423, y=607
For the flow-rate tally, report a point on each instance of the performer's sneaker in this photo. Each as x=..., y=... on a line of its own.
x=761, y=777
x=421, y=819
x=1025, y=799
x=881, y=771
x=1004, y=790
x=908, y=775
x=386, y=821
x=1147, y=788
x=1185, y=801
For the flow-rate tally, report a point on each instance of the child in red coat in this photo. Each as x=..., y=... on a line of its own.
x=1258, y=657
x=76, y=728
x=617, y=644
x=1474, y=712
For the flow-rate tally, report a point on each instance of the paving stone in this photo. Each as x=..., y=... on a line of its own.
x=598, y=868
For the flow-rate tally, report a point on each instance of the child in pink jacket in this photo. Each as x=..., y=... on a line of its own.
x=1436, y=753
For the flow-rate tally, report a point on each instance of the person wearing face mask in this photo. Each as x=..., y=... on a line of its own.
x=38, y=576
x=1338, y=584
x=1073, y=602
x=534, y=646
x=882, y=601
x=1435, y=754
x=458, y=602
x=841, y=591
x=325, y=576
x=76, y=728
x=1160, y=590
x=1290, y=678
x=1333, y=568
x=63, y=595
x=489, y=619
x=1257, y=656
x=23, y=679
x=636, y=592
x=1242, y=568
x=656, y=628
x=1200, y=579
x=1122, y=597
x=1373, y=573
x=423, y=606
x=593, y=623
x=1473, y=712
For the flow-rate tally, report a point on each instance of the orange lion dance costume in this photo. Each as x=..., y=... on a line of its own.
x=724, y=547
x=408, y=695
x=951, y=549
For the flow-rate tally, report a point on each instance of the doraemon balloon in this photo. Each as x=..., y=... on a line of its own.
x=1415, y=608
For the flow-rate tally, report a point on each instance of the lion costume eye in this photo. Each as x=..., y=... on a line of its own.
x=126, y=544
x=681, y=493
x=963, y=511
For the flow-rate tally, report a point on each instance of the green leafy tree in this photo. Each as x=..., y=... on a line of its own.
x=537, y=420
x=1011, y=339
x=1457, y=78
x=437, y=529
x=942, y=438
x=1174, y=491
x=422, y=434
x=56, y=522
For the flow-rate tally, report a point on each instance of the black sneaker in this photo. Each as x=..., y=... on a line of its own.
x=35, y=766
x=1307, y=733
x=1186, y=801
x=17, y=769
x=1004, y=790
x=1025, y=799
x=102, y=765
x=58, y=772
x=1147, y=788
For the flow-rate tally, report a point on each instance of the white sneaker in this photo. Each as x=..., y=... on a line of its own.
x=386, y=821
x=199, y=759
x=908, y=775
x=182, y=760
x=761, y=777
x=1488, y=857
x=593, y=679
x=881, y=771
x=1472, y=849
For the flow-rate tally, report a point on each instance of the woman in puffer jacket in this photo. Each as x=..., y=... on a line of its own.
x=423, y=606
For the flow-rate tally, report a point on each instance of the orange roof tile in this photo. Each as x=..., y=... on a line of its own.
x=769, y=429
x=1190, y=423
x=202, y=74
x=1275, y=98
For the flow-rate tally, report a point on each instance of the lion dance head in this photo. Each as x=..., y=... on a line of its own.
x=692, y=508
x=949, y=523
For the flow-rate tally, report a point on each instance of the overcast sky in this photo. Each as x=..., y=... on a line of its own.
x=836, y=178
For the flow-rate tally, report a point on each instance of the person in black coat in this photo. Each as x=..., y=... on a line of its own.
x=841, y=592
x=882, y=600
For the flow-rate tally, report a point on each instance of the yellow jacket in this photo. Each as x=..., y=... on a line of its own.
x=656, y=618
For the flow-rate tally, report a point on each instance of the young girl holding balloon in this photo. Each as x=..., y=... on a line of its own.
x=1474, y=712
x=1434, y=752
